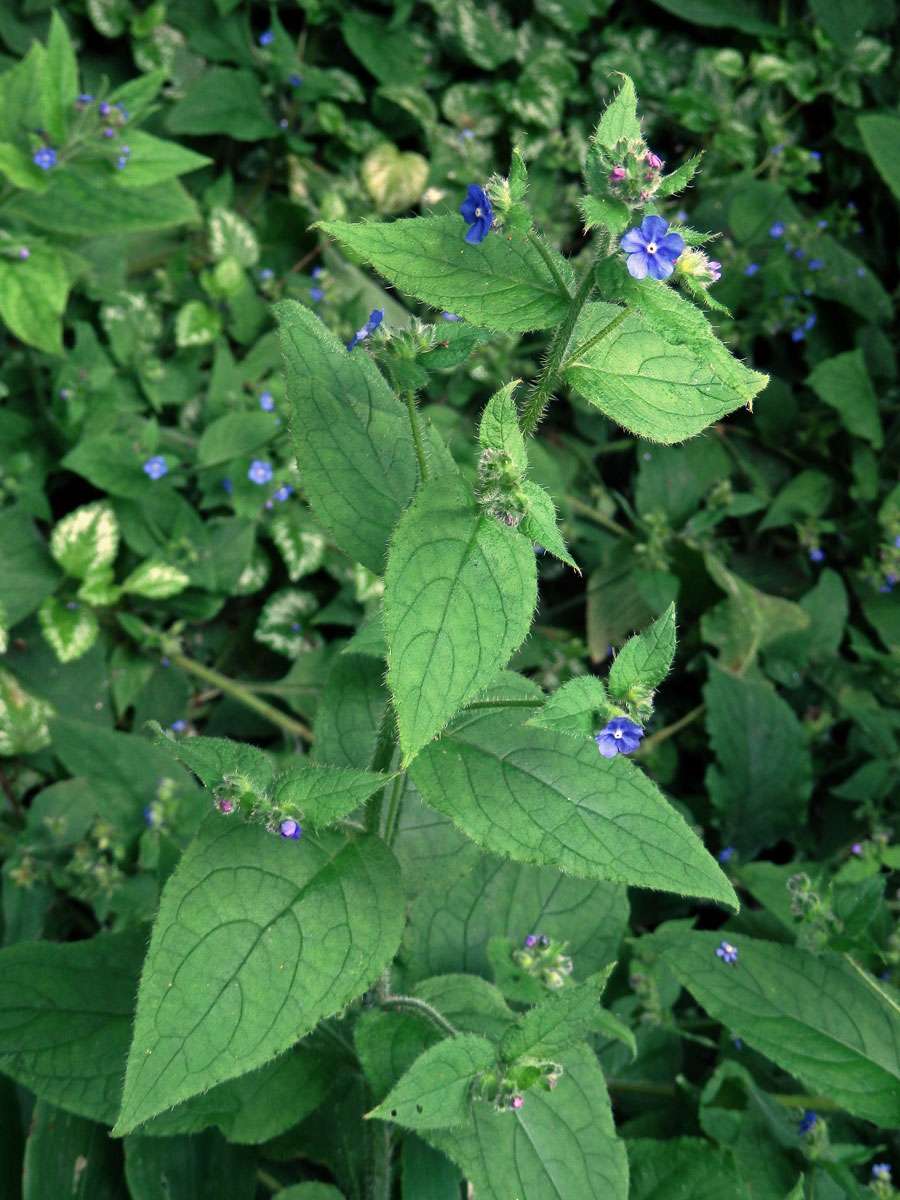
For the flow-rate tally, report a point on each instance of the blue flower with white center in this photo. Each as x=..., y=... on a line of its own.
x=817, y=554
x=808, y=1122
x=727, y=952
x=45, y=158
x=316, y=294
x=283, y=492
x=266, y=273
x=652, y=250
x=267, y=402
x=477, y=212
x=156, y=467
x=260, y=471
x=620, y=736
x=267, y=38
x=882, y=1171
x=375, y=319
x=290, y=829
x=777, y=230
x=178, y=726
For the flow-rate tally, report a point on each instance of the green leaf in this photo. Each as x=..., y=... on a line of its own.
x=460, y=589
x=236, y=435
x=600, y=212
x=427, y=1174
x=23, y=718
x=503, y=283
x=65, y=1018
x=557, y=1146
x=224, y=101
x=762, y=779
x=85, y=539
x=388, y=1042
x=572, y=708
x=560, y=1021
x=200, y=1167
x=156, y=580
x=662, y=373
x=644, y=661
x=880, y=133
x=351, y=435
x=539, y=523
x=843, y=383
x=257, y=939
x=322, y=795
x=823, y=1018
x=620, y=119
x=434, y=1092
x=678, y=179
x=350, y=712
x=744, y=15
x=70, y=632
x=196, y=324
x=469, y=1003
x=219, y=761
x=316, y=1191
x=301, y=545
x=545, y=797
x=33, y=294
x=685, y=1166
x=499, y=428
x=78, y=203
x=154, y=160
x=281, y=622
x=27, y=573
x=68, y=1156
x=394, y=179
x=60, y=79
x=748, y=621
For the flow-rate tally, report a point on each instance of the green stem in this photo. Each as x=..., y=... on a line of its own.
x=417, y=1005
x=417, y=435
x=540, y=397
x=581, y=350
x=381, y=1179
x=663, y=735
x=792, y=1100
x=505, y=704
x=393, y=814
x=238, y=692
x=598, y=517
x=545, y=254
x=381, y=761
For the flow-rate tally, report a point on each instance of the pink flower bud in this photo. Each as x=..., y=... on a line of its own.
x=517, y=1101
x=616, y=174
x=653, y=160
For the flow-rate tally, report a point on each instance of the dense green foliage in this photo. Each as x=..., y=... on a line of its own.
x=450, y=683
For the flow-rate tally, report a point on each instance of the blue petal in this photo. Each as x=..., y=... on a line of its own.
x=659, y=268
x=671, y=245
x=608, y=746
x=654, y=228
x=633, y=241
x=638, y=264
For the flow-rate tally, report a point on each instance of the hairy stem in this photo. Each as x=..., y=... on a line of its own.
x=598, y=517
x=597, y=337
x=663, y=735
x=543, y=392
x=237, y=691
x=545, y=254
x=393, y=813
x=417, y=1005
x=417, y=435
x=381, y=1178
x=381, y=761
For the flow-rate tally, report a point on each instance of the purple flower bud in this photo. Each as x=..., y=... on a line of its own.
x=531, y=940
x=105, y=108
x=517, y=1101
x=226, y=806
x=24, y=252
x=653, y=160
x=45, y=158
x=109, y=132
x=856, y=848
x=617, y=174
x=715, y=270
x=267, y=402
x=290, y=829
x=260, y=471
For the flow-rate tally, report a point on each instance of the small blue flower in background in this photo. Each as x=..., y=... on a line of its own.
x=798, y=334
x=810, y=321
x=860, y=271
x=228, y=485
x=652, y=250
x=316, y=294
x=808, y=1122
x=466, y=136
x=266, y=273
x=816, y=264
x=817, y=554
x=104, y=108
x=290, y=829
x=799, y=252
x=727, y=952
x=318, y=272
x=178, y=726
x=85, y=98
x=822, y=224
x=543, y=940
x=165, y=662
x=477, y=212
x=283, y=492
x=149, y=815
x=266, y=402
x=45, y=158
x=777, y=229
x=24, y=252
x=450, y=316
x=295, y=80
x=260, y=471
x=267, y=38
x=620, y=736
x=897, y=542
x=816, y=154
x=751, y=268
x=156, y=467
x=725, y=855
x=375, y=319
x=882, y=1171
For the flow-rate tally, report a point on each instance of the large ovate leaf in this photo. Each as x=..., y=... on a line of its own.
x=435, y=1091
x=687, y=1167
x=880, y=133
x=460, y=588
x=661, y=373
x=503, y=283
x=545, y=797
x=257, y=939
x=351, y=436
x=557, y=1146
x=822, y=1017
x=199, y=1167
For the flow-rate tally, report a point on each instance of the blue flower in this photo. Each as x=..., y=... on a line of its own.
x=283, y=492
x=156, y=467
x=777, y=229
x=810, y=321
x=882, y=1171
x=266, y=273
x=295, y=80
x=228, y=485
x=85, y=98
x=727, y=952
x=477, y=212
x=860, y=271
x=725, y=855
x=316, y=294
x=45, y=158
x=822, y=224
x=816, y=264
x=375, y=319
x=104, y=108
x=652, y=250
x=267, y=38
x=816, y=154
x=317, y=272
x=808, y=1122
x=178, y=726
x=797, y=335
x=531, y=940
x=817, y=554
x=751, y=268
x=620, y=736
x=290, y=829
x=266, y=402
x=799, y=252
x=260, y=471
x=450, y=316
x=466, y=136
x=897, y=542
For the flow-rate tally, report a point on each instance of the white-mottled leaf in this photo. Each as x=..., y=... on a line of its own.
x=282, y=623
x=230, y=236
x=86, y=538
x=70, y=632
x=23, y=718
x=156, y=580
